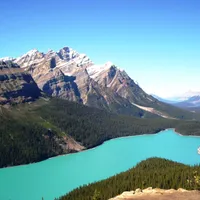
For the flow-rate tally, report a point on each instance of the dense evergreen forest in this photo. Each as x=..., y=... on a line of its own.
x=92, y=126
x=33, y=132
x=23, y=141
x=153, y=172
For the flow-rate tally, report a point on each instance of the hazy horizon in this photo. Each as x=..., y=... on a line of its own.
x=155, y=42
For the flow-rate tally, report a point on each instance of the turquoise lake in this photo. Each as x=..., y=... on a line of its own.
x=57, y=176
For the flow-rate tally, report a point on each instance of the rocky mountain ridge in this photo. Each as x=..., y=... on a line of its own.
x=73, y=76
x=70, y=75
x=192, y=102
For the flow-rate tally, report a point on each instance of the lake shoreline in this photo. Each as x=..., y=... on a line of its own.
x=84, y=150
x=114, y=157
x=87, y=149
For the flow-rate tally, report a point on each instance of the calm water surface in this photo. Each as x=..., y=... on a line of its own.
x=57, y=176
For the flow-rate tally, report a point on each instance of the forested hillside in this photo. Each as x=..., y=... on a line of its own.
x=92, y=126
x=153, y=172
x=37, y=131
x=24, y=141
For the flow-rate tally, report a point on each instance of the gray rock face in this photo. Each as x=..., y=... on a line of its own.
x=16, y=86
x=59, y=85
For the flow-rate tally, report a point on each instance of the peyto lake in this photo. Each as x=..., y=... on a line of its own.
x=57, y=176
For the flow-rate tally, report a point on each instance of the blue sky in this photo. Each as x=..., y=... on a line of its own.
x=156, y=41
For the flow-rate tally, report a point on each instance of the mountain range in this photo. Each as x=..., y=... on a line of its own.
x=179, y=98
x=70, y=75
x=164, y=100
x=187, y=95
x=190, y=102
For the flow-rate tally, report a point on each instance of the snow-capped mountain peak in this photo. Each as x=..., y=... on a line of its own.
x=67, y=53
x=31, y=52
x=28, y=54
x=95, y=70
x=109, y=64
x=70, y=55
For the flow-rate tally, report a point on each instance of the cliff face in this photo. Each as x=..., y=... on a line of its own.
x=16, y=86
x=57, y=84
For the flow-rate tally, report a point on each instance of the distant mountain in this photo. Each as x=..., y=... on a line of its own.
x=185, y=96
x=70, y=75
x=16, y=86
x=189, y=101
x=192, y=102
x=191, y=93
x=164, y=100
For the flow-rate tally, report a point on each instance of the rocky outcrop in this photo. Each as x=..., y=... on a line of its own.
x=69, y=145
x=16, y=85
x=158, y=194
